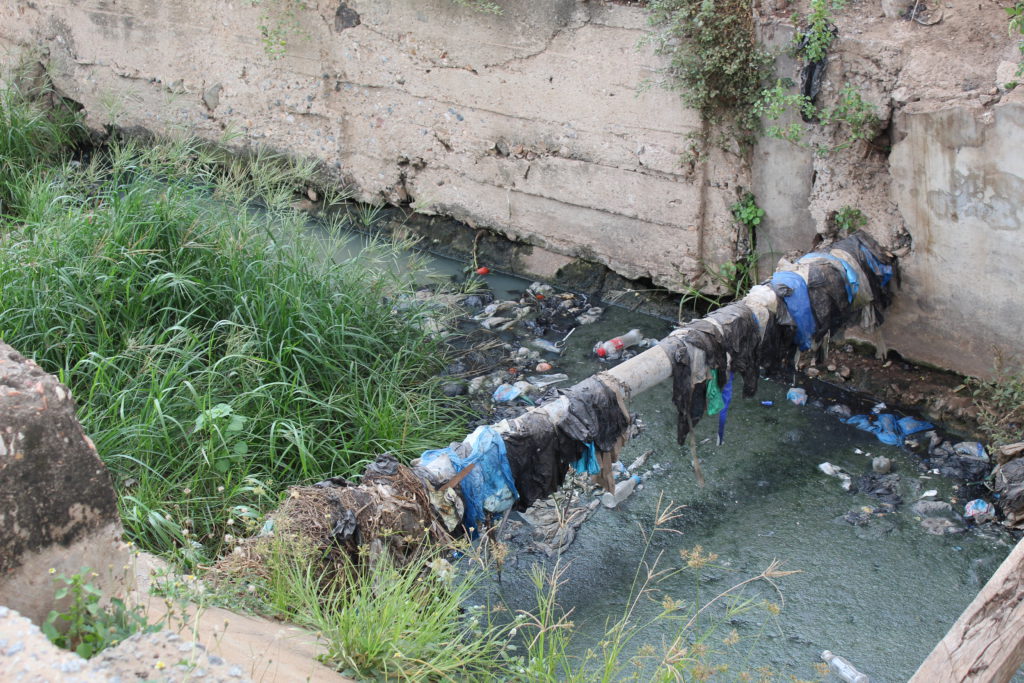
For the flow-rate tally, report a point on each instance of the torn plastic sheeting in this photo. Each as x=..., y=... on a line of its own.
x=881, y=270
x=887, y=428
x=506, y=393
x=489, y=485
x=798, y=303
x=852, y=280
x=971, y=449
x=714, y=395
x=724, y=415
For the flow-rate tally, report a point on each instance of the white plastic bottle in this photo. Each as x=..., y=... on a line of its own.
x=843, y=668
x=622, y=491
x=613, y=347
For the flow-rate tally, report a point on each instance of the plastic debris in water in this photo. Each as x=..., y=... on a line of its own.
x=980, y=510
x=833, y=471
x=797, y=396
x=506, y=393
x=971, y=449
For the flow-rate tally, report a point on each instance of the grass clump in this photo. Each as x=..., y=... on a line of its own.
x=31, y=135
x=715, y=60
x=217, y=353
x=1000, y=402
x=382, y=619
x=89, y=624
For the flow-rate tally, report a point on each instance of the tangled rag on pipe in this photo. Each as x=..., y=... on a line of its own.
x=801, y=305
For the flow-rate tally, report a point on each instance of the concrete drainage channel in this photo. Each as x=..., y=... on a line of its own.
x=879, y=565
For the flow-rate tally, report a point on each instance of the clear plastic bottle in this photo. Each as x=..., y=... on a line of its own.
x=843, y=668
x=613, y=347
x=622, y=491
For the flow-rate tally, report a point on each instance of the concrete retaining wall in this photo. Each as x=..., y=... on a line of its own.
x=535, y=124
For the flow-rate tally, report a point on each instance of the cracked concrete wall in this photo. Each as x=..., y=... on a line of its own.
x=958, y=178
x=941, y=185
x=533, y=123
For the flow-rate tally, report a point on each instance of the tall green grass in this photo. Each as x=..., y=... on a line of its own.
x=217, y=353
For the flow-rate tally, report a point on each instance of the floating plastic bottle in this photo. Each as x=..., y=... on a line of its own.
x=843, y=668
x=614, y=347
x=622, y=491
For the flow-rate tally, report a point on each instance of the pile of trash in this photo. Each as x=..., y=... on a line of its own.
x=335, y=524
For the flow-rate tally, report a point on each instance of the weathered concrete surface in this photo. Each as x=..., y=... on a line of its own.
x=783, y=174
x=27, y=655
x=941, y=182
x=533, y=123
x=58, y=512
x=958, y=179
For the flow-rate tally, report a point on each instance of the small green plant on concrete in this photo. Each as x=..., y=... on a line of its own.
x=87, y=625
x=852, y=117
x=1016, y=27
x=280, y=24
x=848, y=219
x=813, y=42
x=747, y=212
x=484, y=6
x=735, y=277
x=715, y=60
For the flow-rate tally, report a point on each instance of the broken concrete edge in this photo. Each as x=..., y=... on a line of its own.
x=196, y=642
x=58, y=508
x=27, y=654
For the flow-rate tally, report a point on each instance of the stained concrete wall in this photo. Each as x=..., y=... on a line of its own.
x=58, y=512
x=535, y=124
x=958, y=180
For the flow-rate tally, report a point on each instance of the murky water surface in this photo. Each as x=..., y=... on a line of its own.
x=881, y=594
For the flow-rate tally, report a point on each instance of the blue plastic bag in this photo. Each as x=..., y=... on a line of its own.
x=588, y=460
x=798, y=303
x=506, y=393
x=797, y=396
x=489, y=485
x=887, y=428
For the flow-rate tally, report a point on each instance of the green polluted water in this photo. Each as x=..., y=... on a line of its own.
x=881, y=592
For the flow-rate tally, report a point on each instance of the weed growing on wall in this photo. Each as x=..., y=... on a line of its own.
x=1000, y=402
x=715, y=61
x=280, y=24
x=849, y=219
x=813, y=42
x=485, y=6
x=852, y=118
x=1016, y=14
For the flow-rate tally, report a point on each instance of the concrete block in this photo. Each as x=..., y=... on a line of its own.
x=58, y=510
